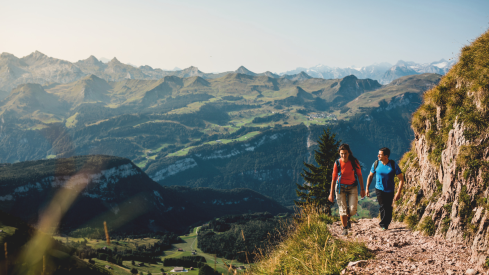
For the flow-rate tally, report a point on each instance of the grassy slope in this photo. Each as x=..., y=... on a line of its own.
x=310, y=248
x=410, y=84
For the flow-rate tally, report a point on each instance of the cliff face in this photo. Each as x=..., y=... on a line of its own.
x=447, y=169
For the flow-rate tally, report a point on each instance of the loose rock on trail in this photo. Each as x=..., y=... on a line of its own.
x=399, y=250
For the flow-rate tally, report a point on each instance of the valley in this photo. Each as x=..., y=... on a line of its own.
x=231, y=131
x=188, y=244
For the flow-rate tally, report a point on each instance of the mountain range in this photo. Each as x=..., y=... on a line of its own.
x=230, y=132
x=385, y=73
x=41, y=69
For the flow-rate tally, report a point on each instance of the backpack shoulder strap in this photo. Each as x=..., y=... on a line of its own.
x=376, y=163
x=393, y=165
x=338, y=168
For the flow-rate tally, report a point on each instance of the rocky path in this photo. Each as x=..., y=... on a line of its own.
x=401, y=251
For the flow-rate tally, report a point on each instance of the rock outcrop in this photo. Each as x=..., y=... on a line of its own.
x=446, y=170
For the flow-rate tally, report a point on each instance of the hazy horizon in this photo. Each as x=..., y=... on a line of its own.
x=219, y=36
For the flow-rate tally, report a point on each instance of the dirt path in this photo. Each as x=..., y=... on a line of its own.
x=195, y=239
x=401, y=251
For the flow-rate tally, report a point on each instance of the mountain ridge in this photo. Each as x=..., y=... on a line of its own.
x=105, y=191
x=42, y=69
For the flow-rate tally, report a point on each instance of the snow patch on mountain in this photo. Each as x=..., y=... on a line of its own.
x=177, y=167
x=6, y=198
x=78, y=181
x=222, y=154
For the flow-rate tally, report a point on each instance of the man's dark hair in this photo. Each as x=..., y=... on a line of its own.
x=385, y=151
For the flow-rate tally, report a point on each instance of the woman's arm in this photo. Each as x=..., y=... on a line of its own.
x=331, y=193
x=335, y=175
x=360, y=180
x=362, y=190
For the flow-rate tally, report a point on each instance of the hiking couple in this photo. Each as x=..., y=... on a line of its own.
x=347, y=175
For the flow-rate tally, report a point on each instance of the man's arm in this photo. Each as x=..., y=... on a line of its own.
x=401, y=183
x=369, y=181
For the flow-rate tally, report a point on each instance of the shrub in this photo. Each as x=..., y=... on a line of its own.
x=448, y=207
x=327, y=219
x=427, y=226
x=411, y=221
x=445, y=225
x=401, y=217
x=465, y=209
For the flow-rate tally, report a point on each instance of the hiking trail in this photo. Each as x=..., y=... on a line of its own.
x=399, y=250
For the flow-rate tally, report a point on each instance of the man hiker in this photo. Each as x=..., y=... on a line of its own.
x=385, y=170
x=347, y=175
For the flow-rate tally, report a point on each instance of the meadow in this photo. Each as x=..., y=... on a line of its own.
x=188, y=245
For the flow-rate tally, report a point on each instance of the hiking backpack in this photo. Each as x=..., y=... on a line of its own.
x=338, y=181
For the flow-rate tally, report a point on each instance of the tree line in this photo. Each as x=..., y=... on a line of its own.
x=241, y=235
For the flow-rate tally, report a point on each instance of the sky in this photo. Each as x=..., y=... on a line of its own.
x=218, y=36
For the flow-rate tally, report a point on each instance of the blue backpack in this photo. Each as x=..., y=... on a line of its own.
x=338, y=182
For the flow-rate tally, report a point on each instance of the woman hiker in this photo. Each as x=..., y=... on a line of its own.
x=346, y=180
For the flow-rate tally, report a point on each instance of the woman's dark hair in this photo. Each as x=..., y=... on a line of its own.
x=351, y=158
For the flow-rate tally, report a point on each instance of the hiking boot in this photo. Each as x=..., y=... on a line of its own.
x=348, y=224
x=383, y=229
x=345, y=231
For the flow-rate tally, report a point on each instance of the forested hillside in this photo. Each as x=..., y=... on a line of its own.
x=241, y=237
x=85, y=191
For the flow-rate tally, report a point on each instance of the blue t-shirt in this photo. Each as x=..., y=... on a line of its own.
x=384, y=175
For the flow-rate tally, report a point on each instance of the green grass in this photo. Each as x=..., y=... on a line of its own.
x=311, y=249
x=428, y=226
x=6, y=231
x=71, y=121
x=185, y=151
x=117, y=270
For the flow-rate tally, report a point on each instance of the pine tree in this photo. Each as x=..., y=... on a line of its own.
x=318, y=178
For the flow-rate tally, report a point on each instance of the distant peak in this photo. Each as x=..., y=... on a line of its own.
x=92, y=77
x=350, y=77
x=37, y=54
x=114, y=60
x=92, y=58
x=5, y=54
x=243, y=70
x=191, y=69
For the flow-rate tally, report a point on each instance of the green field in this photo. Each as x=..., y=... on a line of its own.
x=188, y=245
x=185, y=151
